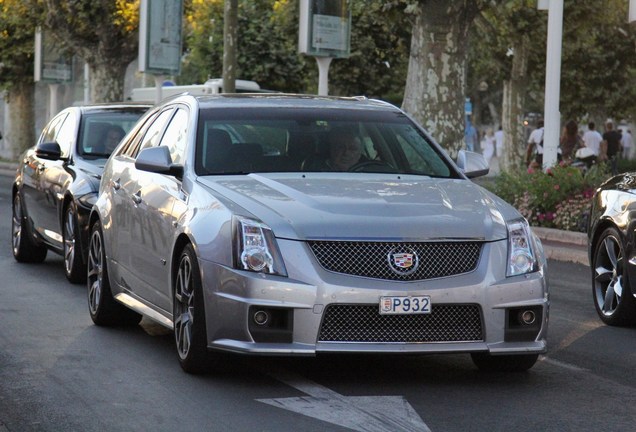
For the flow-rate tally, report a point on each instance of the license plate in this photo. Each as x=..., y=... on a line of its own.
x=405, y=305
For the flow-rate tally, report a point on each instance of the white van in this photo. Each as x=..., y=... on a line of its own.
x=212, y=86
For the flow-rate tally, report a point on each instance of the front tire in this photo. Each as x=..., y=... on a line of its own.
x=504, y=363
x=25, y=249
x=613, y=297
x=189, y=315
x=74, y=267
x=103, y=308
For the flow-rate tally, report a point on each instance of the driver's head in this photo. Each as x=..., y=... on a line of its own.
x=345, y=148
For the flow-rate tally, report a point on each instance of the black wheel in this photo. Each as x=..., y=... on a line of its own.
x=25, y=249
x=103, y=308
x=189, y=315
x=504, y=363
x=613, y=297
x=74, y=268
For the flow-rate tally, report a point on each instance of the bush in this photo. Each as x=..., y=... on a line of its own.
x=559, y=198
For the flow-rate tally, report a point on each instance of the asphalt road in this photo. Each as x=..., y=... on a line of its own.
x=59, y=372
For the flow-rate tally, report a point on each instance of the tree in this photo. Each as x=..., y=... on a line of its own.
x=17, y=32
x=104, y=33
x=436, y=82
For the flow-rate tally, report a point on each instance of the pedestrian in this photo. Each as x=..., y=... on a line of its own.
x=499, y=142
x=470, y=135
x=488, y=145
x=611, y=146
x=592, y=139
x=535, y=147
x=570, y=141
x=628, y=145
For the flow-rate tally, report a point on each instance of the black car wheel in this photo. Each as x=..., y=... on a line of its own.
x=25, y=249
x=613, y=297
x=103, y=308
x=504, y=363
x=73, y=266
x=189, y=314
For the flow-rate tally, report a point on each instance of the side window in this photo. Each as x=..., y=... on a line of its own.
x=175, y=137
x=130, y=147
x=67, y=134
x=152, y=135
x=51, y=129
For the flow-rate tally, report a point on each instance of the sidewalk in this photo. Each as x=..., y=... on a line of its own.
x=558, y=245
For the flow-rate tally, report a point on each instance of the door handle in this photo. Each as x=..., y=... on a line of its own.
x=137, y=197
x=116, y=184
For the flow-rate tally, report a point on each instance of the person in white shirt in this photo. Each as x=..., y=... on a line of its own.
x=499, y=141
x=592, y=139
x=535, y=141
x=628, y=144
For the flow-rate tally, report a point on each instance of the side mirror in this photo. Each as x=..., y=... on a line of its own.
x=158, y=160
x=48, y=151
x=472, y=164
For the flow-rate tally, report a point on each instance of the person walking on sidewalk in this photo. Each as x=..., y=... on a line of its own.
x=611, y=146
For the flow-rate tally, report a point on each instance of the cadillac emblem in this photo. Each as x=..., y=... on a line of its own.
x=403, y=261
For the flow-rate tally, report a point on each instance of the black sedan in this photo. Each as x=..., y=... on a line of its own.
x=57, y=181
x=612, y=251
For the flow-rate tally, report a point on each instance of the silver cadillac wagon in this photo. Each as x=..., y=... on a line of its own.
x=273, y=224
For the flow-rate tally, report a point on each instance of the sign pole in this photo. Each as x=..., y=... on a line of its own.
x=323, y=75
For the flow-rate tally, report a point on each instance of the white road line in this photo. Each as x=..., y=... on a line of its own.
x=360, y=413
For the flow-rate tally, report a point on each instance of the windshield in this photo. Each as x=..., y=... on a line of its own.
x=234, y=141
x=100, y=132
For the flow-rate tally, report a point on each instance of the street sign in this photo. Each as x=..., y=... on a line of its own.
x=160, y=32
x=51, y=65
x=325, y=28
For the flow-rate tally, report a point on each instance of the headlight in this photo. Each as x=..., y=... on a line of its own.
x=257, y=249
x=521, y=256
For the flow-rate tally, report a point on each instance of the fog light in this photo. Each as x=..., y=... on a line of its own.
x=261, y=317
x=527, y=317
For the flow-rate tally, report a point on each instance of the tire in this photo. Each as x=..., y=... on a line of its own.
x=504, y=363
x=103, y=308
x=74, y=267
x=613, y=298
x=189, y=315
x=25, y=249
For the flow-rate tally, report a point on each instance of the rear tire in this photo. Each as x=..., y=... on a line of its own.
x=25, y=249
x=74, y=267
x=103, y=308
x=504, y=363
x=189, y=315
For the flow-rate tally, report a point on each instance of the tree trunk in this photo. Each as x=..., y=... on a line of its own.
x=435, y=85
x=230, y=32
x=512, y=111
x=107, y=81
x=21, y=135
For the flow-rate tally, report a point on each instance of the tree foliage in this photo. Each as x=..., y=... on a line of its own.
x=104, y=33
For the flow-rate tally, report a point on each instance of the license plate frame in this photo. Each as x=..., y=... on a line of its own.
x=405, y=305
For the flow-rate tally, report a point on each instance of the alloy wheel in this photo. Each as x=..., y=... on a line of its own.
x=184, y=307
x=608, y=275
x=69, y=241
x=95, y=272
x=16, y=224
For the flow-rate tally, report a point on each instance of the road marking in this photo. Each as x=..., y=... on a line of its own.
x=360, y=413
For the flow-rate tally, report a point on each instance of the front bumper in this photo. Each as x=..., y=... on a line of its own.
x=232, y=297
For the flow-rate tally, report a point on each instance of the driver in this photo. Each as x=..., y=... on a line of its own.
x=345, y=149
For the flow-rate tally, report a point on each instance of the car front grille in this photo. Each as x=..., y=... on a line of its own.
x=377, y=259
x=363, y=323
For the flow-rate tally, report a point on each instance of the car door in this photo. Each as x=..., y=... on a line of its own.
x=35, y=187
x=55, y=180
x=156, y=197
x=127, y=212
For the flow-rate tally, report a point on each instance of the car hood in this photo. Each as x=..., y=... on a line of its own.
x=367, y=206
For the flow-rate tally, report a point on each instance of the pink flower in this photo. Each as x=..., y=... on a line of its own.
x=556, y=187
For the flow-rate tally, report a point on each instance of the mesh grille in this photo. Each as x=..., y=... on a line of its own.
x=373, y=259
x=363, y=323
